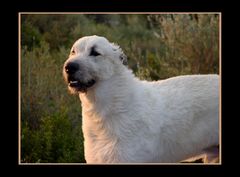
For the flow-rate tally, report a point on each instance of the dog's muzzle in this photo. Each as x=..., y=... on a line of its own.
x=74, y=82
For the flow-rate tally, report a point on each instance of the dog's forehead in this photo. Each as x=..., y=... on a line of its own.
x=87, y=42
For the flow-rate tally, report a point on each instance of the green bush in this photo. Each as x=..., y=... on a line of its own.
x=56, y=140
x=50, y=117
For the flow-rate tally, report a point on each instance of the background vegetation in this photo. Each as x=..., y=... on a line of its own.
x=158, y=46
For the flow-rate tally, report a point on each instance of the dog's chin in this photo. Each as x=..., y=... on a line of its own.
x=76, y=86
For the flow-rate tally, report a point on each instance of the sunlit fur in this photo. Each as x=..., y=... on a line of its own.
x=126, y=120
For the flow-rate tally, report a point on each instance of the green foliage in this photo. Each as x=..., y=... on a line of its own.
x=29, y=35
x=158, y=46
x=56, y=140
x=50, y=117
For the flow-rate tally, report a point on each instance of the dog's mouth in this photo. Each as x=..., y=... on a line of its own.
x=81, y=86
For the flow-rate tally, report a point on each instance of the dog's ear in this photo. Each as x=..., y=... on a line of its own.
x=123, y=58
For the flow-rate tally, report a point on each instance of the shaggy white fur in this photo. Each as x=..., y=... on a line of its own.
x=126, y=120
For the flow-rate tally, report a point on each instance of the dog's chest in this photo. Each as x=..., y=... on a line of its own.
x=108, y=143
x=100, y=145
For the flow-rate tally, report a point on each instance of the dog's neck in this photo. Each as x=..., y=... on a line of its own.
x=109, y=94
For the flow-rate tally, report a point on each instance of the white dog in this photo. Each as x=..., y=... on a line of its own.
x=126, y=120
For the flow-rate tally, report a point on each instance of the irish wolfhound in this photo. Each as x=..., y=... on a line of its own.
x=126, y=120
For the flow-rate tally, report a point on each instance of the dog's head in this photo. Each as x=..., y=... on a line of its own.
x=92, y=59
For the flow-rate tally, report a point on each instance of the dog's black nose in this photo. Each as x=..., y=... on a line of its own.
x=71, y=67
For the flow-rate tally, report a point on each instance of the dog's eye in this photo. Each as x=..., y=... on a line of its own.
x=94, y=52
x=73, y=52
